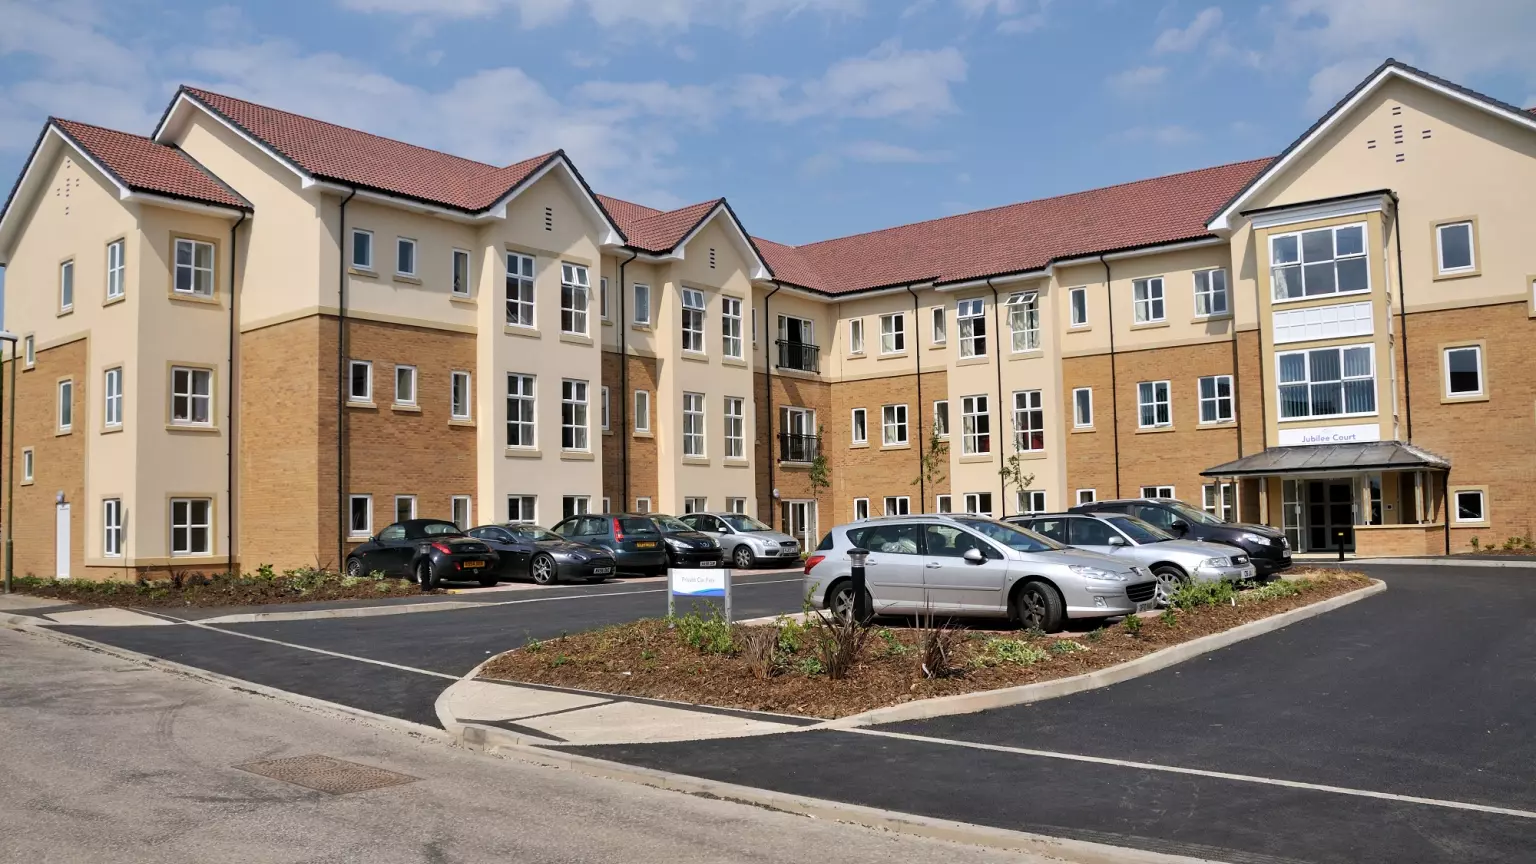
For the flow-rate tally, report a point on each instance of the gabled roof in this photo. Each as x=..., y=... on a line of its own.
x=666, y=232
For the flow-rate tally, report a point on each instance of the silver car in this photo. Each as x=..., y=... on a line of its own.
x=745, y=541
x=973, y=566
x=1173, y=561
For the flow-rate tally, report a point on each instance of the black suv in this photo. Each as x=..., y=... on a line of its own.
x=1266, y=546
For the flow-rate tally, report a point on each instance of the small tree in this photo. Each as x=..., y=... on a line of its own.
x=1013, y=474
x=821, y=470
x=930, y=470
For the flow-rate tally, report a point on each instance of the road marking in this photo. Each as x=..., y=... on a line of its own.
x=1197, y=772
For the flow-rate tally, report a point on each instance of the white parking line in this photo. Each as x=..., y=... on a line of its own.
x=1197, y=772
x=620, y=594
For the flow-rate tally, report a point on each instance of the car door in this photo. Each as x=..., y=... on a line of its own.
x=394, y=553
x=1054, y=527
x=513, y=555
x=894, y=569
x=592, y=530
x=1095, y=535
x=956, y=585
x=1162, y=517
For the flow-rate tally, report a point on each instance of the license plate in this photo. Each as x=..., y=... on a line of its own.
x=1146, y=606
x=473, y=565
x=1286, y=553
x=709, y=563
x=1247, y=572
x=602, y=569
x=646, y=544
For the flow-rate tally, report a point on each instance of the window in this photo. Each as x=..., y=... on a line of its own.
x=1087, y=496
x=29, y=351
x=1147, y=297
x=602, y=300
x=975, y=426
x=405, y=256
x=360, y=381
x=693, y=424
x=112, y=390
x=972, y=315
x=575, y=290
x=362, y=249
x=522, y=509
x=893, y=333
x=1324, y=261
x=736, y=505
x=1469, y=506
x=730, y=326
x=1454, y=248
x=860, y=426
x=941, y=418
x=860, y=509
x=603, y=408
x=519, y=290
x=940, y=328
x=460, y=285
x=1216, y=399
x=1028, y=421
x=459, y=397
x=979, y=503
x=1024, y=321
x=191, y=526
x=898, y=505
x=1082, y=408
x=1153, y=405
x=1157, y=492
x=606, y=508
x=642, y=410
x=693, y=320
x=115, y=269
x=66, y=286
x=405, y=508
x=893, y=425
x=642, y=505
x=574, y=505
x=1464, y=371
x=642, y=304
x=405, y=385
x=520, y=411
x=1210, y=292
x=695, y=505
x=1078, y=298
x=1324, y=322
x=735, y=428
x=112, y=527
x=1219, y=500
x=192, y=396
x=941, y=504
x=194, y=268
x=461, y=509
x=1029, y=501
x=28, y=460
x=1327, y=382
x=856, y=336
x=573, y=415
x=66, y=412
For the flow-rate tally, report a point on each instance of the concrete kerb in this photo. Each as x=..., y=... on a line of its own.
x=1445, y=562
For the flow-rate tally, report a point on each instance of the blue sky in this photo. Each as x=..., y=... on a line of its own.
x=817, y=118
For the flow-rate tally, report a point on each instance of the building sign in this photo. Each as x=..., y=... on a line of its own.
x=1359, y=434
x=696, y=584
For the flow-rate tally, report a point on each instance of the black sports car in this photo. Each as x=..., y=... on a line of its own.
x=528, y=551
x=426, y=551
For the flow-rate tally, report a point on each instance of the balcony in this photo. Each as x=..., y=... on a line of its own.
x=798, y=448
x=800, y=356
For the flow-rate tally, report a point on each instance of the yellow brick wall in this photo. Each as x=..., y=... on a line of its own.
x=59, y=464
x=643, y=482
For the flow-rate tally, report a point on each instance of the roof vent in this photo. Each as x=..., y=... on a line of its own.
x=1371, y=144
x=1397, y=134
x=1426, y=134
x=711, y=257
x=549, y=218
x=1396, y=110
x=1401, y=158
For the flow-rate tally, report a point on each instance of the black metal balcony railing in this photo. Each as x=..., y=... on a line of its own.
x=798, y=448
x=802, y=356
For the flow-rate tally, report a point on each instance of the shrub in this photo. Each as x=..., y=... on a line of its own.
x=809, y=666
x=760, y=648
x=836, y=643
x=1169, y=617
x=1069, y=646
x=1095, y=634
x=1132, y=624
x=1275, y=590
x=1476, y=545
x=893, y=645
x=791, y=635
x=1015, y=651
x=533, y=646
x=708, y=635
x=936, y=645
x=1193, y=595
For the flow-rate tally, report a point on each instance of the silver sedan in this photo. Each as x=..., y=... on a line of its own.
x=745, y=541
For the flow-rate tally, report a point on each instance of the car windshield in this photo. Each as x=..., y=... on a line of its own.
x=531, y=533
x=671, y=523
x=743, y=522
x=1190, y=514
x=1140, y=532
x=1011, y=536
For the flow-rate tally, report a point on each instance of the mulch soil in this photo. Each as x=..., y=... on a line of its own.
x=649, y=659
x=216, y=592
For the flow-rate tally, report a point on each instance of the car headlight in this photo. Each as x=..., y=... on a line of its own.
x=1099, y=573
x=578, y=557
x=676, y=543
x=1253, y=539
x=1216, y=562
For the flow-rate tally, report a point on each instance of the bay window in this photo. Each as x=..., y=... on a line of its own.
x=1327, y=382
x=1319, y=262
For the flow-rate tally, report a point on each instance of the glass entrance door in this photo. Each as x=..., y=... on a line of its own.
x=1290, y=513
x=1330, y=515
x=800, y=522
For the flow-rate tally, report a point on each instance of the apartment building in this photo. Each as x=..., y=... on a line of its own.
x=254, y=337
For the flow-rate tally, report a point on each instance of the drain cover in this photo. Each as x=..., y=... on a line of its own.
x=324, y=774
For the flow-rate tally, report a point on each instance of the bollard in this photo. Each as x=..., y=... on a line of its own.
x=856, y=559
x=1340, y=536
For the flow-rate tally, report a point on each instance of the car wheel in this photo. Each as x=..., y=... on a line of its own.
x=542, y=569
x=1169, y=580
x=1037, y=606
x=840, y=601
x=425, y=577
x=354, y=568
x=743, y=557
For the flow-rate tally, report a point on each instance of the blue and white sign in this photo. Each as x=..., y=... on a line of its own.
x=706, y=582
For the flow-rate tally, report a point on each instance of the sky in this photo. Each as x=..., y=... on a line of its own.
x=816, y=118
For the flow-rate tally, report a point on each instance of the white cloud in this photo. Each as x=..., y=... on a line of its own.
x=1013, y=16
x=889, y=82
x=1137, y=81
x=1175, y=39
x=1169, y=135
x=655, y=14
x=881, y=152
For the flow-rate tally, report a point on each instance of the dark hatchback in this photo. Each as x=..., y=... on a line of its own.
x=531, y=552
x=631, y=538
x=687, y=546
x=426, y=551
x=1266, y=546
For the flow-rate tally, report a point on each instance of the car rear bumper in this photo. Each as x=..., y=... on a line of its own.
x=468, y=567
x=641, y=559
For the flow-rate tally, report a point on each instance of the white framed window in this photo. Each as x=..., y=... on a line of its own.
x=1028, y=421
x=1327, y=382
x=458, y=401
x=693, y=424
x=897, y=505
x=1030, y=501
x=115, y=270
x=575, y=298
x=735, y=428
x=602, y=303
x=941, y=504
x=1147, y=300
x=28, y=462
x=736, y=505
x=1319, y=262
x=360, y=381
x=893, y=333
x=693, y=320
x=730, y=327
x=1324, y=322
x=1219, y=500
x=975, y=426
x=1455, y=248
x=856, y=336
x=978, y=503
x=405, y=507
x=112, y=393
x=462, y=510
x=194, y=268
x=520, y=411
x=405, y=385
x=575, y=505
x=939, y=330
x=1153, y=405
x=29, y=352
x=522, y=509
x=1082, y=408
x=112, y=527
x=972, y=315
x=694, y=504
x=643, y=505
x=860, y=509
x=1211, y=293
x=66, y=406
x=520, y=296
x=360, y=516
x=573, y=415
x=1470, y=505
x=941, y=419
x=893, y=425
x=1077, y=300
x=1024, y=321
x=606, y=508
x=191, y=396
x=191, y=526
x=1157, y=492
x=1464, y=371
x=1216, y=399
x=642, y=410
x=603, y=417
x=1087, y=496
x=362, y=249
x=859, y=426
x=643, y=304
x=66, y=286
x=405, y=256
x=460, y=285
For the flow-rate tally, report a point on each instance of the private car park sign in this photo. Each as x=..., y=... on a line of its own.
x=702, y=583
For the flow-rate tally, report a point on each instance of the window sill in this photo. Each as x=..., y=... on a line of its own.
x=576, y=338
x=695, y=356
x=108, y=430
x=1483, y=524
x=60, y=433
x=62, y=312
x=366, y=272
x=1028, y=455
x=26, y=368
x=1079, y=328
x=113, y=301
x=1150, y=325
x=607, y=431
x=938, y=346
x=607, y=322
x=366, y=406
x=639, y=433
x=785, y=463
x=734, y=361
x=643, y=328
x=523, y=453
x=26, y=482
x=893, y=355
x=1451, y=400
x=895, y=446
x=1077, y=429
x=178, y=297
x=1201, y=319
x=1031, y=354
x=405, y=409
x=738, y=463
x=191, y=430
x=797, y=373
x=465, y=422
x=1153, y=430
x=859, y=445
x=520, y=330
x=975, y=458
x=1223, y=424
x=407, y=278
x=1447, y=277
x=576, y=456
x=973, y=361
x=696, y=460
x=463, y=300
x=856, y=355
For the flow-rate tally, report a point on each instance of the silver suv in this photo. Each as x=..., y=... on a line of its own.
x=974, y=566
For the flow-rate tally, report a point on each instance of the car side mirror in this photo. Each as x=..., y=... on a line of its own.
x=1180, y=527
x=974, y=556
x=1117, y=541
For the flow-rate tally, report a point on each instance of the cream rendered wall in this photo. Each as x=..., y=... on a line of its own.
x=839, y=364
x=426, y=298
x=976, y=376
x=1039, y=369
x=1181, y=326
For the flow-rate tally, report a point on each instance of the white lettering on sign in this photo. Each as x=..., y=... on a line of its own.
x=1360, y=434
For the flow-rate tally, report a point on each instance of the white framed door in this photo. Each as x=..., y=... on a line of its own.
x=800, y=523
x=61, y=541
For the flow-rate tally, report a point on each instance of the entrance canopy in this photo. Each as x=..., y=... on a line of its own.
x=1331, y=458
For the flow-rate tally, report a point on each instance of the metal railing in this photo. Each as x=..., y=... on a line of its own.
x=801, y=356
x=798, y=448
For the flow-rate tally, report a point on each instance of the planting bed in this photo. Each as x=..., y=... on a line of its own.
x=195, y=589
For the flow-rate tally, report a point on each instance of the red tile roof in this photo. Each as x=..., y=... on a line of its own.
x=142, y=165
